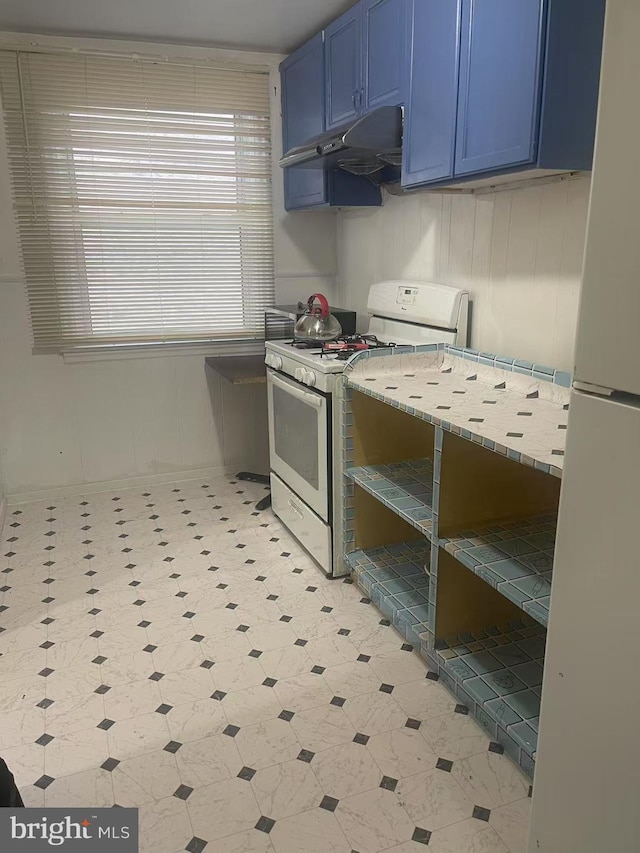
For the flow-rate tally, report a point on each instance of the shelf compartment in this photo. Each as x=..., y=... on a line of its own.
x=515, y=558
x=479, y=488
x=497, y=673
x=375, y=427
x=406, y=488
x=396, y=579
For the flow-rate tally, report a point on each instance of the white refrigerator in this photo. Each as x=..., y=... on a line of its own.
x=587, y=788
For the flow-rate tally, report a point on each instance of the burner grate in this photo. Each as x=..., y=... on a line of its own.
x=344, y=347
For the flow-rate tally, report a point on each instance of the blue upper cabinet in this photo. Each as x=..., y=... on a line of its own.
x=385, y=61
x=500, y=80
x=343, y=68
x=303, y=104
x=365, y=60
x=500, y=87
x=491, y=88
x=430, y=114
x=302, y=79
x=571, y=84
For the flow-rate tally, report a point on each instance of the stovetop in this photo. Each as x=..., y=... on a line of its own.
x=343, y=347
x=328, y=358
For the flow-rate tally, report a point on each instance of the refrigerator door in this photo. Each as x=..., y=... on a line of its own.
x=608, y=343
x=587, y=781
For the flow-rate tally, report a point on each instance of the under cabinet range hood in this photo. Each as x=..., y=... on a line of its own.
x=364, y=146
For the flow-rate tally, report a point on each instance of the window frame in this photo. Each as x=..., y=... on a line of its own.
x=172, y=54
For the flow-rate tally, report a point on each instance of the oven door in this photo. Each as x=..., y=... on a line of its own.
x=299, y=440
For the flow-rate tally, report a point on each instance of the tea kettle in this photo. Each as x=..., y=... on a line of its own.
x=317, y=324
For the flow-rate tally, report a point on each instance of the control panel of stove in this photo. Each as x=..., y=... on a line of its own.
x=307, y=366
x=274, y=361
x=307, y=377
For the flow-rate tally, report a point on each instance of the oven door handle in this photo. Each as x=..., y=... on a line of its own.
x=309, y=397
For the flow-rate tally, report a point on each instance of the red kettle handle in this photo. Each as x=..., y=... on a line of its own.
x=324, y=305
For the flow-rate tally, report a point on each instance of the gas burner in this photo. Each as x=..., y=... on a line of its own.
x=305, y=344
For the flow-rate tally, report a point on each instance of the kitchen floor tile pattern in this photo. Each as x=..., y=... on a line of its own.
x=172, y=649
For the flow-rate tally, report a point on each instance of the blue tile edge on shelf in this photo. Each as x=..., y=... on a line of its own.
x=525, y=760
x=497, y=674
x=401, y=350
x=407, y=616
x=542, y=372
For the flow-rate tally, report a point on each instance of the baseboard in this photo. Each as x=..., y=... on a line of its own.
x=3, y=514
x=118, y=485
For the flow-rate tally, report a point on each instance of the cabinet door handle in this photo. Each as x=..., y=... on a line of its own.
x=360, y=98
x=354, y=100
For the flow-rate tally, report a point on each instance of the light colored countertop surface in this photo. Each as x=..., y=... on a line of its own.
x=240, y=369
x=508, y=411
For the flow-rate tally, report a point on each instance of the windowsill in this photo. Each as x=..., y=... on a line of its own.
x=162, y=351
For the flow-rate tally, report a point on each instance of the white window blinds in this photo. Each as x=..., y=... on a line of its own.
x=142, y=192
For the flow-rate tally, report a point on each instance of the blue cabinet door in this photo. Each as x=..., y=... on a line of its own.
x=430, y=116
x=500, y=73
x=304, y=188
x=343, y=68
x=302, y=81
x=385, y=60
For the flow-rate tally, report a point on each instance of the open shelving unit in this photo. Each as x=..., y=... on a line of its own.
x=454, y=544
x=389, y=491
x=471, y=618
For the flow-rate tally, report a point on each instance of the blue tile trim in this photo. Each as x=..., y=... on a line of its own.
x=499, y=698
x=504, y=363
x=376, y=570
x=546, y=373
x=428, y=348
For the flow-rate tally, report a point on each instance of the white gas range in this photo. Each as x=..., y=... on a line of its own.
x=305, y=408
x=309, y=366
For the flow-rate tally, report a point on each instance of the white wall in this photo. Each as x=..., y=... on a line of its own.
x=518, y=252
x=66, y=425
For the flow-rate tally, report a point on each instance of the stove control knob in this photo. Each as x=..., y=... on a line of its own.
x=276, y=362
x=309, y=378
x=299, y=374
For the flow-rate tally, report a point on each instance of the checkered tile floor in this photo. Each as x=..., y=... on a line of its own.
x=170, y=648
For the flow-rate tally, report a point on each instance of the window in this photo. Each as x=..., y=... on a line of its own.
x=142, y=192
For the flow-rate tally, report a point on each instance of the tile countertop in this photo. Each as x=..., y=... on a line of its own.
x=512, y=407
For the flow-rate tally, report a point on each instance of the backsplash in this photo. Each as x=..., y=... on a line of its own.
x=518, y=252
